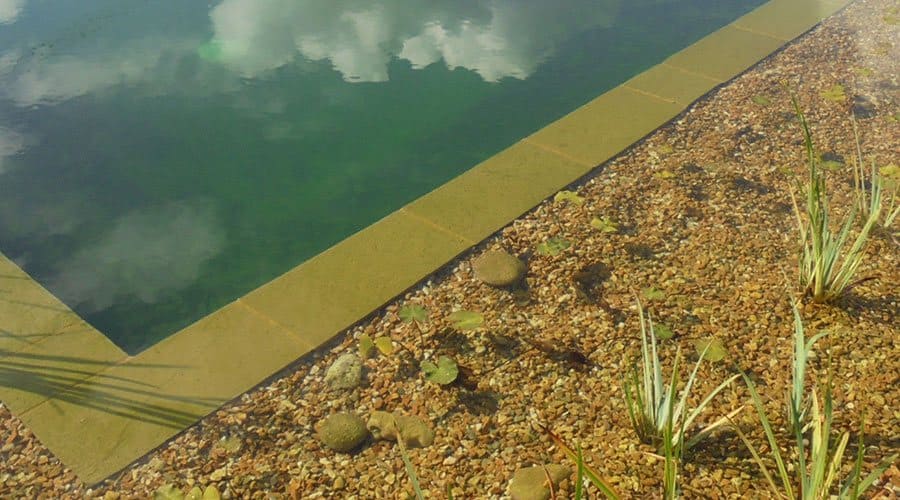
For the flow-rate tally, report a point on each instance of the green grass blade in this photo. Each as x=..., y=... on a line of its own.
x=876, y=473
x=762, y=466
x=592, y=475
x=579, y=474
x=672, y=445
x=407, y=463
x=770, y=436
x=693, y=415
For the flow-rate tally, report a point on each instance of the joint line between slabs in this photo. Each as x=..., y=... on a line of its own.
x=437, y=226
x=557, y=152
x=264, y=316
x=690, y=72
x=760, y=33
x=651, y=94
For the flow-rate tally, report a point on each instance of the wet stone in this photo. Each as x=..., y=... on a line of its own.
x=499, y=268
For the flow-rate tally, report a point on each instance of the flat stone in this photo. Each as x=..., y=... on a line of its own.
x=345, y=372
x=498, y=268
x=531, y=483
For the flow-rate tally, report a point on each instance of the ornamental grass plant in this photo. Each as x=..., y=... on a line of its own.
x=816, y=459
x=656, y=417
x=827, y=265
x=885, y=179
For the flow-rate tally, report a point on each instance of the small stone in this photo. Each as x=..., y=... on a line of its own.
x=345, y=372
x=218, y=474
x=339, y=483
x=530, y=483
x=231, y=444
x=498, y=268
x=342, y=432
x=415, y=431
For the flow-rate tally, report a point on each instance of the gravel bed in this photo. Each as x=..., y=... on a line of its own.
x=705, y=234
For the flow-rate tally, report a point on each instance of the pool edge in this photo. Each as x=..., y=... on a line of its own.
x=132, y=404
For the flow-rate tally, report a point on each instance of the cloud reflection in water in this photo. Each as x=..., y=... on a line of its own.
x=494, y=38
x=133, y=260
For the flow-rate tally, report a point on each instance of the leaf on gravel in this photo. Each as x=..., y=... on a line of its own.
x=444, y=372
x=553, y=246
x=384, y=345
x=653, y=293
x=466, y=320
x=662, y=331
x=665, y=174
x=761, y=100
x=231, y=444
x=890, y=171
x=211, y=493
x=413, y=312
x=195, y=494
x=863, y=72
x=366, y=347
x=168, y=492
x=715, y=351
x=665, y=149
x=830, y=165
x=569, y=196
x=835, y=93
x=604, y=225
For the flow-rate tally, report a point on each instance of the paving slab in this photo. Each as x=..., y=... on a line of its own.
x=672, y=84
x=41, y=370
x=28, y=312
x=788, y=19
x=102, y=424
x=725, y=53
x=487, y=197
x=340, y=286
x=605, y=126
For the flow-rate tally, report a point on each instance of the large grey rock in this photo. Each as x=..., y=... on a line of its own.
x=498, y=268
x=531, y=483
x=345, y=372
x=415, y=431
x=342, y=432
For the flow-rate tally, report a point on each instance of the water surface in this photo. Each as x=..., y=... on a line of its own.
x=159, y=159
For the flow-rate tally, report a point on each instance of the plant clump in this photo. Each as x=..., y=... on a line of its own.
x=827, y=266
x=817, y=461
x=651, y=402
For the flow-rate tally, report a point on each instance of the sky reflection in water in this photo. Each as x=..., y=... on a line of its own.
x=159, y=159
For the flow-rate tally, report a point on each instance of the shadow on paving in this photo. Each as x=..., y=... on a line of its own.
x=83, y=382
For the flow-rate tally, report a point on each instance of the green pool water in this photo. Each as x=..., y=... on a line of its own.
x=159, y=159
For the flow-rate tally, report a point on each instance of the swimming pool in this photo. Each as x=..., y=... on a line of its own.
x=160, y=159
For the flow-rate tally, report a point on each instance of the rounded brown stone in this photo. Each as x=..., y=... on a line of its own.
x=498, y=268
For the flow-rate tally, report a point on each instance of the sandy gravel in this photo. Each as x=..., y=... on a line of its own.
x=703, y=218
